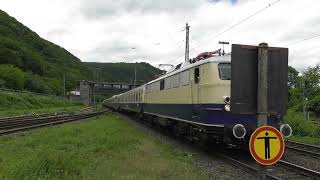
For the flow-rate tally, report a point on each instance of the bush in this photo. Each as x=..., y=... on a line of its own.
x=301, y=126
x=18, y=101
x=12, y=77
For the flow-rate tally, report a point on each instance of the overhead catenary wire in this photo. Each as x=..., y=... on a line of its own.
x=236, y=24
x=233, y=26
x=304, y=39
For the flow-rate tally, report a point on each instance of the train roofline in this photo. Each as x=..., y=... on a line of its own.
x=217, y=59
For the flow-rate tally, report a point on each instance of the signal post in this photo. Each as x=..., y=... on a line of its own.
x=262, y=98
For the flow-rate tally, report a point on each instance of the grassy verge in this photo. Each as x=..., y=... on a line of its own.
x=16, y=101
x=306, y=139
x=21, y=112
x=105, y=148
x=303, y=130
x=15, y=104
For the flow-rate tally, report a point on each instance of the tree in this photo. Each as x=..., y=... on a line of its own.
x=293, y=78
x=12, y=77
x=312, y=87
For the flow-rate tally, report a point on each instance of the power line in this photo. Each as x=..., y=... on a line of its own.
x=236, y=24
x=305, y=39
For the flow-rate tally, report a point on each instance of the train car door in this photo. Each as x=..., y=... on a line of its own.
x=195, y=93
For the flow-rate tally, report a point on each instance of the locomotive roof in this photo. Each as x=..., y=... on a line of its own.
x=217, y=59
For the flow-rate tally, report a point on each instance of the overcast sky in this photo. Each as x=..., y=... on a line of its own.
x=150, y=30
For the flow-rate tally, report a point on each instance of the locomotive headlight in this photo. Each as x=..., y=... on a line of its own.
x=286, y=130
x=239, y=131
x=226, y=99
x=227, y=107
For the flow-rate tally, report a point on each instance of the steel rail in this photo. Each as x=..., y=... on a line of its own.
x=299, y=169
x=304, y=148
x=47, y=122
x=36, y=121
x=247, y=167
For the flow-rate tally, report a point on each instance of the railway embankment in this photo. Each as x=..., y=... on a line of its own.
x=16, y=104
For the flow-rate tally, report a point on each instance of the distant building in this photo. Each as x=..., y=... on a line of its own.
x=74, y=93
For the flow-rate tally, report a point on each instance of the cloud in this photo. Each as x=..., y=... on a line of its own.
x=100, y=8
x=106, y=30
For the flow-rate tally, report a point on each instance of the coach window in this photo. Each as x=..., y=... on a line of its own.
x=161, y=84
x=184, y=78
x=175, y=80
x=196, y=75
x=167, y=83
x=148, y=88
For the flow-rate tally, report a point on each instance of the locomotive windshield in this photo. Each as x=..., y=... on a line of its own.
x=224, y=71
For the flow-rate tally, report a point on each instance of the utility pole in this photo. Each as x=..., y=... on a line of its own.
x=304, y=98
x=262, y=99
x=135, y=75
x=186, y=58
x=64, y=85
x=96, y=89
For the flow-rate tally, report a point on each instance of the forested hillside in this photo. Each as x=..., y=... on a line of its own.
x=31, y=63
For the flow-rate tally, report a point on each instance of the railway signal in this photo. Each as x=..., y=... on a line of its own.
x=266, y=145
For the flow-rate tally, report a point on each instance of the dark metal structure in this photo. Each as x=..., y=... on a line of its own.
x=244, y=91
x=89, y=89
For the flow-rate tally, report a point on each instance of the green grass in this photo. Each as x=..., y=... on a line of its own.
x=306, y=140
x=22, y=112
x=16, y=104
x=16, y=101
x=104, y=148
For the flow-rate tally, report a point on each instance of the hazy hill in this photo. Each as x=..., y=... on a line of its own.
x=30, y=62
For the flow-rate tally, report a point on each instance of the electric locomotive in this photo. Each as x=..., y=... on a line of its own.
x=193, y=99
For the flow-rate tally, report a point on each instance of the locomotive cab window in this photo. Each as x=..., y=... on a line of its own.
x=224, y=71
x=196, y=75
x=161, y=84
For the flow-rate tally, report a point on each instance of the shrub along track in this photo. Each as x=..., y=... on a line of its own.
x=284, y=169
x=22, y=123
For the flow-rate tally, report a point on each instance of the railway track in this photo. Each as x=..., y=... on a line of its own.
x=304, y=148
x=16, y=124
x=281, y=170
